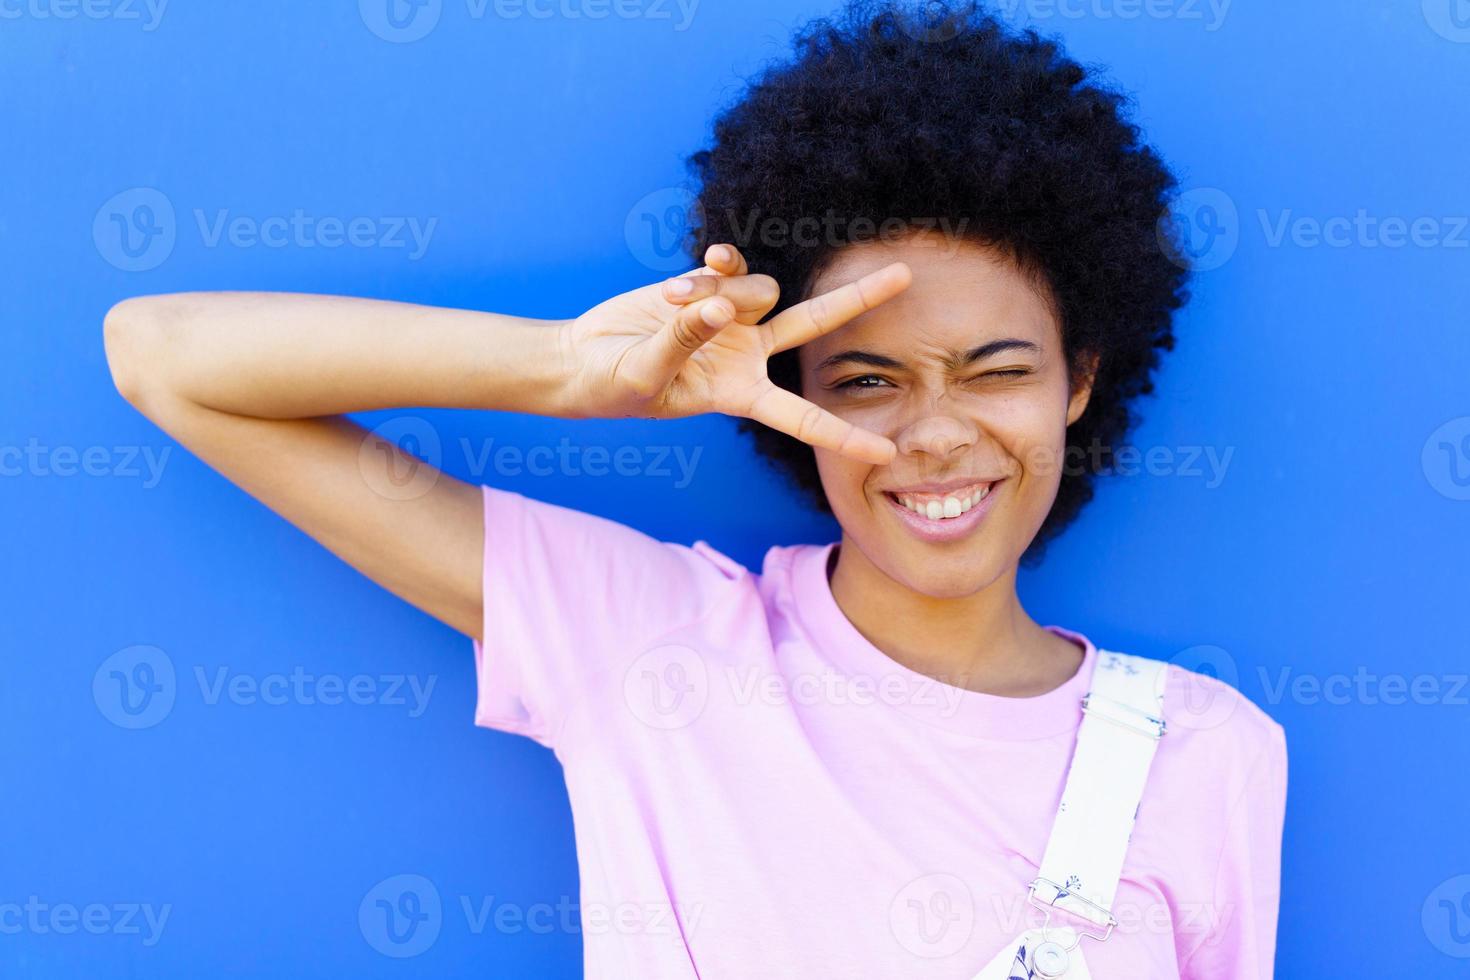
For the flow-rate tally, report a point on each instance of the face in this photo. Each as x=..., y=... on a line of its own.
x=966, y=373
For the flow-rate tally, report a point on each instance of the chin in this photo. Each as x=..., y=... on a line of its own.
x=954, y=570
x=942, y=558
x=951, y=576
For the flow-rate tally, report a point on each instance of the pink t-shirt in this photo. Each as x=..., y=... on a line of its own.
x=758, y=791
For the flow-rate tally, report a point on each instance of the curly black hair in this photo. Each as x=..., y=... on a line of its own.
x=943, y=112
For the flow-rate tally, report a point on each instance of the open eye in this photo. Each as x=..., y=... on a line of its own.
x=863, y=381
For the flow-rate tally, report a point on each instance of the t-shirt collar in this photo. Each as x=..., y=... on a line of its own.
x=955, y=708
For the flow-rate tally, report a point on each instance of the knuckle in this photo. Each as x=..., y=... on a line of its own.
x=806, y=427
x=684, y=333
x=820, y=311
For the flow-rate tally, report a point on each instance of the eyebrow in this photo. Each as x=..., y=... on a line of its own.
x=974, y=354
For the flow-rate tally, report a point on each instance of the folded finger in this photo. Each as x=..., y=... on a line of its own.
x=726, y=259
x=751, y=295
x=655, y=362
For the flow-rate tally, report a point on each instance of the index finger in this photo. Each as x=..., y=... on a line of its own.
x=788, y=412
x=825, y=313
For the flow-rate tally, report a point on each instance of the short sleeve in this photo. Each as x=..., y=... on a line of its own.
x=569, y=597
x=1247, y=891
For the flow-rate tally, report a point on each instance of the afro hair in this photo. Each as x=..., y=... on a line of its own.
x=944, y=113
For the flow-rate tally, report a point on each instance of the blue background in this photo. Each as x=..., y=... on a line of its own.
x=1334, y=545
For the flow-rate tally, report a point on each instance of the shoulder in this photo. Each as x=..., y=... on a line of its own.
x=1215, y=737
x=621, y=584
x=1213, y=709
x=595, y=542
x=1219, y=733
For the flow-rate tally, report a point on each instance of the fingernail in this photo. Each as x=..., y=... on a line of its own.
x=680, y=287
x=715, y=315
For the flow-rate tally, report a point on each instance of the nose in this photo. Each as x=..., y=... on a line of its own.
x=937, y=435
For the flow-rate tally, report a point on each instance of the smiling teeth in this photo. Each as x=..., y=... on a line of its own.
x=946, y=508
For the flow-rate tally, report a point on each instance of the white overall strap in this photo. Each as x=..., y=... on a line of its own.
x=1122, y=723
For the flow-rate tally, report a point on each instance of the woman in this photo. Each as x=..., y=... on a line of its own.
x=933, y=284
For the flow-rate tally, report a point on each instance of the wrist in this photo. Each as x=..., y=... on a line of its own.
x=562, y=371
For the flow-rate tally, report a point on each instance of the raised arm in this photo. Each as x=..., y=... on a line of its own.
x=255, y=384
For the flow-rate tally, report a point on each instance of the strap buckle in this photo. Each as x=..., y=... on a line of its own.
x=1126, y=715
x=1103, y=918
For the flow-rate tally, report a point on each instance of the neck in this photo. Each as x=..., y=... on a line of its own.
x=983, y=642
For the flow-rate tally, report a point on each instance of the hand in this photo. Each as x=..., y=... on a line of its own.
x=695, y=344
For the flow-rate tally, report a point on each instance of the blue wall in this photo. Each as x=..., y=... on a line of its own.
x=1316, y=561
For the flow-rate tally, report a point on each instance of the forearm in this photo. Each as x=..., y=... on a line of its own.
x=287, y=355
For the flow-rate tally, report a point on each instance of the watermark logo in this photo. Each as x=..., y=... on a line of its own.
x=1446, y=459
x=135, y=687
x=401, y=916
x=658, y=226
x=933, y=916
x=934, y=22
x=401, y=459
x=1201, y=231
x=136, y=230
x=1446, y=917
x=1204, y=704
x=667, y=687
x=400, y=21
x=1450, y=19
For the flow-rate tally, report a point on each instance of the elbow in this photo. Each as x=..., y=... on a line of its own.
x=134, y=336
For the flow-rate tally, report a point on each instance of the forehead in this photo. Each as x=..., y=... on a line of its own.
x=963, y=294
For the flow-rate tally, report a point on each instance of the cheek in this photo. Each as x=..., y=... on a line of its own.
x=1038, y=435
x=1031, y=428
x=842, y=478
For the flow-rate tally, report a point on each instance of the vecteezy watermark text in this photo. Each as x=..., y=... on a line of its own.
x=122, y=462
x=406, y=21
x=658, y=225
x=148, y=12
x=1366, y=687
x=1210, y=13
x=392, y=459
x=1202, y=229
x=137, y=230
x=40, y=918
x=137, y=688
x=403, y=915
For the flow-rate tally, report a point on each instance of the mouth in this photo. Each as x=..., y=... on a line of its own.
x=943, y=515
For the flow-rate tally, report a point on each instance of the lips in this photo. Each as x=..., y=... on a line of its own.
x=948, y=505
x=943, y=512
